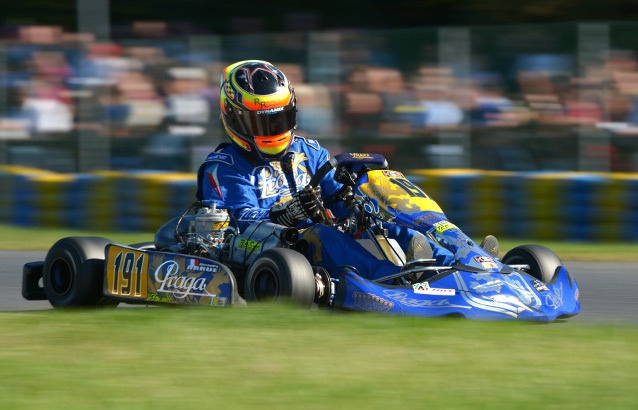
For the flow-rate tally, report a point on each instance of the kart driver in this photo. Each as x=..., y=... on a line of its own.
x=261, y=173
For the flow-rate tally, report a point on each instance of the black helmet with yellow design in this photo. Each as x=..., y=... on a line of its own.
x=258, y=108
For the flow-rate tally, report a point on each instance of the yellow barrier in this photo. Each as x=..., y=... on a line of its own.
x=575, y=206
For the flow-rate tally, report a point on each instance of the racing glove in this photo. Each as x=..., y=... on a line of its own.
x=303, y=205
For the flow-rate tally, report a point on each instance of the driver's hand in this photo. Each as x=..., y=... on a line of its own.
x=302, y=206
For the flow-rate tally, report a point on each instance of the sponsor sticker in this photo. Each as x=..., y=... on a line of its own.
x=219, y=301
x=443, y=226
x=425, y=289
x=225, y=158
x=361, y=156
x=486, y=262
x=197, y=265
x=270, y=111
x=248, y=245
x=157, y=298
x=539, y=286
x=392, y=174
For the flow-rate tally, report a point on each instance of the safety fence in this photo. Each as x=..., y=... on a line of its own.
x=110, y=201
x=545, y=205
x=542, y=206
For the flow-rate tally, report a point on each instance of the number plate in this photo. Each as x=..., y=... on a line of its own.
x=126, y=272
x=159, y=277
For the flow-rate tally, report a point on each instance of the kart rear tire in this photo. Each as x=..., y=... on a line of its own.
x=280, y=275
x=542, y=261
x=73, y=272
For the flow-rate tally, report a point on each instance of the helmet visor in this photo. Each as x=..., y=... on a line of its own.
x=268, y=122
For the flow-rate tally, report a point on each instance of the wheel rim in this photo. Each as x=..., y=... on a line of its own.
x=266, y=285
x=61, y=277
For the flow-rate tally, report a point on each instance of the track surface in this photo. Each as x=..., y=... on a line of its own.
x=608, y=290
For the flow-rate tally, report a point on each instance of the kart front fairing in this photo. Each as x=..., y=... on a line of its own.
x=476, y=286
x=465, y=293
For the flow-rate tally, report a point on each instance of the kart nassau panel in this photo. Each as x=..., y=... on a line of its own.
x=133, y=275
x=477, y=295
x=393, y=198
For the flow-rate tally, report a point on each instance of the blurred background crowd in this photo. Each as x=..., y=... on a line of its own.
x=530, y=97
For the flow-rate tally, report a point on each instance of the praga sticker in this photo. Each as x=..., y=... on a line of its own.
x=167, y=278
x=403, y=298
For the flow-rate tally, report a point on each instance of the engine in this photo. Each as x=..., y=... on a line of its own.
x=205, y=231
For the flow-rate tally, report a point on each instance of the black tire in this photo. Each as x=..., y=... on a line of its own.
x=73, y=272
x=543, y=261
x=279, y=275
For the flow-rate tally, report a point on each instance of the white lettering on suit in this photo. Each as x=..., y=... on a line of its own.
x=272, y=182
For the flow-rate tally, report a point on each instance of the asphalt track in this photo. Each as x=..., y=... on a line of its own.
x=608, y=291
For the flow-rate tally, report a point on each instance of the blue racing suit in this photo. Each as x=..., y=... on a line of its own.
x=249, y=187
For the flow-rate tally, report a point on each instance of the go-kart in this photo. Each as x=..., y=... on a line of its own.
x=199, y=258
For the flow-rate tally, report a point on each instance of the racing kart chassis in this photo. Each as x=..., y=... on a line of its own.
x=199, y=259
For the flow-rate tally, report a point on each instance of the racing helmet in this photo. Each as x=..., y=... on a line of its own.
x=258, y=108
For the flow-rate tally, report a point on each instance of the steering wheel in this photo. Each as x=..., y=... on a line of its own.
x=348, y=167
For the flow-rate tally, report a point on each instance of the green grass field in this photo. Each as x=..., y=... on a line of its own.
x=19, y=238
x=273, y=357
x=276, y=357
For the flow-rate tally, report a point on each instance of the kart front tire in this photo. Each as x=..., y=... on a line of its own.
x=543, y=262
x=278, y=275
x=73, y=272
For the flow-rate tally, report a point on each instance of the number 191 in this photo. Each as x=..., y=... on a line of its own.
x=127, y=271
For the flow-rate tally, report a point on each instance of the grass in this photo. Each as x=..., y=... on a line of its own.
x=20, y=238
x=269, y=357
x=582, y=251
x=285, y=358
